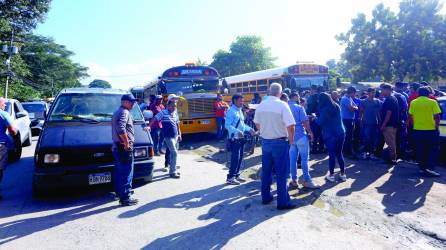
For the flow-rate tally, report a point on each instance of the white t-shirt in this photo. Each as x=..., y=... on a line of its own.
x=274, y=116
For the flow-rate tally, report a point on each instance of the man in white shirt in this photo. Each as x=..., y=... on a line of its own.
x=276, y=124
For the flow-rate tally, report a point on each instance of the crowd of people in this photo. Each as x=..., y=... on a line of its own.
x=291, y=125
x=356, y=124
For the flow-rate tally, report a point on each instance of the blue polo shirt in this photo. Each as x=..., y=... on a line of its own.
x=5, y=122
x=346, y=113
x=170, y=122
x=300, y=116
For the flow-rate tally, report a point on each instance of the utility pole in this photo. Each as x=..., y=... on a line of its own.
x=10, y=50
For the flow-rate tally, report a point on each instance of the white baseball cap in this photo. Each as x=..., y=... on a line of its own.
x=172, y=96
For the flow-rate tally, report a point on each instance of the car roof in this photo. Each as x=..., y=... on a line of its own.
x=93, y=91
x=35, y=102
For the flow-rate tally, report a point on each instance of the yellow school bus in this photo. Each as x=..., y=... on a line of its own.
x=299, y=76
x=197, y=87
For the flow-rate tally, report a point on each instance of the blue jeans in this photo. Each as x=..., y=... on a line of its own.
x=220, y=127
x=426, y=148
x=171, y=144
x=300, y=148
x=236, y=159
x=349, y=126
x=157, y=137
x=275, y=152
x=370, y=135
x=123, y=172
x=334, y=145
x=318, y=140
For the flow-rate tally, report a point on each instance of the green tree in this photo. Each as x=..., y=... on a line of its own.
x=409, y=45
x=199, y=62
x=98, y=83
x=23, y=15
x=246, y=54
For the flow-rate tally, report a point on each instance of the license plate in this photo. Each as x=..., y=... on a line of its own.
x=205, y=122
x=94, y=179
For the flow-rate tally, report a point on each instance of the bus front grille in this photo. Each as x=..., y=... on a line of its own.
x=200, y=107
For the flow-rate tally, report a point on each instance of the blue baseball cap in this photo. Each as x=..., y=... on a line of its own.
x=128, y=97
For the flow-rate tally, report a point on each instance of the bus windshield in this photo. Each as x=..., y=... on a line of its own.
x=193, y=86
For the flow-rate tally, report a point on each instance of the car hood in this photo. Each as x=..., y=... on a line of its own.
x=89, y=135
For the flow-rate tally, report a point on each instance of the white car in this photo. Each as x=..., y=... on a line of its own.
x=21, y=121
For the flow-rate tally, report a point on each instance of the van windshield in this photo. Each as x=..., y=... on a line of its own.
x=94, y=107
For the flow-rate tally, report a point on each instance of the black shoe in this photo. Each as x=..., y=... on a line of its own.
x=268, y=201
x=175, y=176
x=128, y=202
x=287, y=207
x=431, y=173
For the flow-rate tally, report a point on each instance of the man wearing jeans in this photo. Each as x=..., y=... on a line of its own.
x=348, y=108
x=235, y=124
x=123, y=136
x=275, y=122
x=370, y=118
x=425, y=118
x=155, y=130
x=301, y=146
x=172, y=134
x=6, y=123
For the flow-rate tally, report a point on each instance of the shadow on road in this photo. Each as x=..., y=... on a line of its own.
x=233, y=214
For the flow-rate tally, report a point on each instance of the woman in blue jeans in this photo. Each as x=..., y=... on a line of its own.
x=333, y=132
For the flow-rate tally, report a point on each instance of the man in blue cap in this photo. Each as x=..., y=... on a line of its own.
x=123, y=135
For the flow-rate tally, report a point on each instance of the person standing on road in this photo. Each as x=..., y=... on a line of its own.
x=348, y=109
x=333, y=132
x=220, y=109
x=235, y=124
x=155, y=130
x=390, y=120
x=312, y=108
x=276, y=124
x=6, y=123
x=172, y=134
x=301, y=147
x=370, y=118
x=175, y=98
x=425, y=118
x=123, y=136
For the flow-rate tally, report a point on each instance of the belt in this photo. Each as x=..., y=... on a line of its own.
x=280, y=138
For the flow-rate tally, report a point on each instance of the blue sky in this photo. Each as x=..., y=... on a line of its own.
x=129, y=43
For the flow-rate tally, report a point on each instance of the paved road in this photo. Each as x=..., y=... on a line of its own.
x=377, y=208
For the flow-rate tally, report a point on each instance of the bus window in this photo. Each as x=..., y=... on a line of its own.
x=278, y=80
x=245, y=84
x=262, y=85
x=252, y=86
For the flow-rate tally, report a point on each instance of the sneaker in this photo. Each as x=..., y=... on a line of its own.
x=240, y=179
x=175, y=176
x=343, y=177
x=310, y=185
x=128, y=202
x=431, y=173
x=293, y=184
x=330, y=178
x=232, y=181
x=165, y=169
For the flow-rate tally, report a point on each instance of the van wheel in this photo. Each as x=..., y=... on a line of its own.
x=28, y=140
